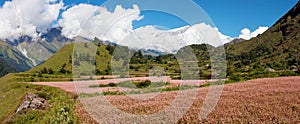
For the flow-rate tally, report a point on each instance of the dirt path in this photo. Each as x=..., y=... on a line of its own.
x=66, y=86
x=83, y=85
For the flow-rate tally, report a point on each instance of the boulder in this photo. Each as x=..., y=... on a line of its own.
x=32, y=101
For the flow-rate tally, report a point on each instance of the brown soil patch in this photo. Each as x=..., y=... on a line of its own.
x=82, y=115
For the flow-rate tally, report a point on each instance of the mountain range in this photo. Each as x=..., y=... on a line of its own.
x=27, y=52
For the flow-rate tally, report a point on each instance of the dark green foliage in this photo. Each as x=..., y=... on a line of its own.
x=112, y=85
x=63, y=71
x=288, y=73
x=50, y=71
x=171, y=89
x=5, y=68
x=44, y=71
x=86, y=45
x=184, y=87
x=105, y=85
x=137, y=58
x=40, y=74
x=110, y=49
x=113, y=93
x=235, y=78
x=143, y=84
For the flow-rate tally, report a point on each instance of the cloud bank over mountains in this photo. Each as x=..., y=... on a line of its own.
x=30, y=17
x=27, y=17
x=172, y=40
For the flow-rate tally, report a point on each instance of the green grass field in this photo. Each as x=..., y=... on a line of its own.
x=61, y=107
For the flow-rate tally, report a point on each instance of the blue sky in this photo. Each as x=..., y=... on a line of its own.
x=230, y=16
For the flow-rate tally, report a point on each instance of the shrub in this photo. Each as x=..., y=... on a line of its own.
x=40, y=75
x=235, y=78
x=171, y=88
x=44, y=95
x=104, y=85
x=112, y=93
x=33, y=74
x=31, y=79
x=142, y=84
x=50, y=71
x=44, y=71
x=288, y=73
x=63, y=71
x=112, y=85
x=131, y=67
x=176, y=88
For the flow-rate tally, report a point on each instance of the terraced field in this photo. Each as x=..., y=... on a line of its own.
x=268, y=100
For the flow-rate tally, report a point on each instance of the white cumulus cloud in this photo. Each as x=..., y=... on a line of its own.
x=247, y=34
x=27, y=17
x=91, y=21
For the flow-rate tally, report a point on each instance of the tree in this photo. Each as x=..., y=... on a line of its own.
x=110, y=49
x=63, y=71
x=70, y=59
x=40, y=74
x=87, y=57
x=76, y=62
x=44, y=71
x=96, y=41
x=50, y=71
x=97, y=71
x=75, y=55
x=86, y=45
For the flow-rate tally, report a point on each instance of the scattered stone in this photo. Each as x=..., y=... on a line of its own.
x=270, y=70
x=207, y=65
x=294, y=68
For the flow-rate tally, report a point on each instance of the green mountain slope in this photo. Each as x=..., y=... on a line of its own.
x=13, y=57
x=62, y=61
x=277, y=48
x=5, y=68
